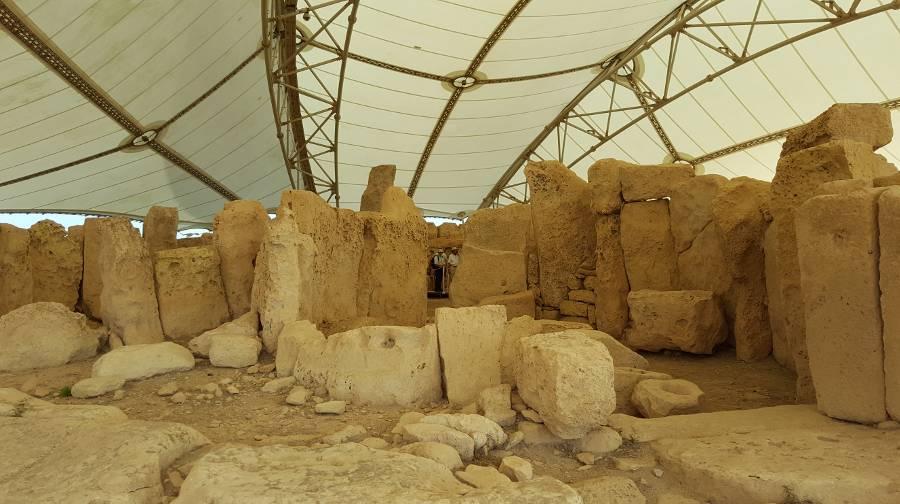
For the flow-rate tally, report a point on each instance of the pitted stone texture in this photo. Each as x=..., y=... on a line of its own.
x=381, y=178
x=239, y=230
x=161, y=228
x=606, y=186
x=283, y=286
x=346, y=473
x=380, y=365
x=690, y=207
x=609, y=490
x=517, y=305
x=568, y=378
x=40, y=335
x=739, y=213
x=868, y=123
x=563, y=225
x=516, y=329
x=690, y=321
x=233, y=350
x=658, y=398
x=647, y=182
x=451, y=230
x=69, y=460
x=889, y=284
x=622, y=356
x=506, y=228
x=15, y=269
x=648, y=246
x=438, y=433
x=703, y=266
x=837, y=239
x=128, y=304
x=626, y=379
x=470, y=343
x=781, y=348
x=290, y=342
x=245, y=325
x=611, y=285
x=190, y=291
x=136, y=362
x=92, y=280
x=444, y=455
x=56, y=264
x=494, y=404
x=486, y=433
x=484, y=273
x=397, y=204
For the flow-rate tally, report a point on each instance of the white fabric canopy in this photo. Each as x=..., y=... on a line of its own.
x=154, y=58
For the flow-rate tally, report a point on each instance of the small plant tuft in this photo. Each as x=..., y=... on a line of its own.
x=65, y=392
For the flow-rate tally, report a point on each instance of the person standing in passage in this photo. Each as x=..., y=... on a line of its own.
x=452, y=263
x=439, y=262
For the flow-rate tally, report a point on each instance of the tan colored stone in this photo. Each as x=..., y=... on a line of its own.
x=648, y=246
x=15, y=269
x=470, y=342
x=646, y=182
x=136, y=362
x=128, y=300
x=484, y=273
x=658, y=398
x=606, y=186
x=626, y=378
x=690, y=321
x=506, y=228
x=44, y=334
x=611, y=285
x=56, y=264
x=572, y=308
x=381, y=178
x=568, y=378
x=703, y=266
x=516, y=329
x=868, y=123
x=843, y=186
x=887, y=180
x=161, y=228
x=395, y=203
x=517, y=305
x=837, y=239
x=450, y=230
x=92, y=279
x=781, y=348
x=190, y=291
x=239, y=230
x=563, y=225
x=290, y=343
x=690, y=207
x=889, y=284
x=609, y=490
x=622, y=356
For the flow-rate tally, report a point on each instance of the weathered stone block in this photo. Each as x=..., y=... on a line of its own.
x=690, y=321
x=239, y=230
x=573, y=308
x=161, y=228
x=606, y=186
x=868, y=123
x=516, y=329
x=568, y=378
x=483, y=273
x=190, y=291
x=506, y=228
x=517, y=305
x=838, y=245
x=646, y=182
x=470, y=342
x=233, y=350
x=128, y=300
x=563, y=225
x=648, y=246
x=659, y=398
x=15, y=269
x=889, y=284
x=92, y=280
x=626, y=379
x=450, y=230
x=611, y=285
x=781, y=348
x=40, y=335
x=136, y=362
x=690, y=207
x=380, y=179
x=56, y=264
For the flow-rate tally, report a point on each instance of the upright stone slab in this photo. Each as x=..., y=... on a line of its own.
x=606, y=186
x=397, y=204
x=563, y=225
x=690, y=321
x=470, y=341
x=15, y=269
x=797, y=178
x=611, y=284
x=648, y=246
x=690, y=208
x=128, y=300
x=239, y=230
x=283, y=285
x=889, y=283
x=739, y=213
x=837, y=239
x=450, y=230
x=190, y=291
x=380, y=179
x=647, y=182
x=392, y=283
x=506, y=228
x=161, y=228
x=868, y=123
x=781, y=348
x=484, y=273
x=92, y=279
x=517, y=305
x=703, y=266
x=56, y=263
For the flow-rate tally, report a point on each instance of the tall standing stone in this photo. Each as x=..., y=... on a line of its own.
x=161, y=228
x=56, y=264
x=190, y=291
x=380, y=179
x=648, y=246
x=238, y=231
x=92, y=280
x=781, y=348
x=690, y=208
x=16, y=289
x=837, y=239
x=606, y=186
x=611, y=286
x=563, y=225
x=889, y=283
x=470, y=340
x=128, y=303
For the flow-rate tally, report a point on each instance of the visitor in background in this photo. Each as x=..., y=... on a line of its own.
x=452, y=263
x=439, y=262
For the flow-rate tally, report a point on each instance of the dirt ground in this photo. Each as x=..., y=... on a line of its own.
x=254, y=417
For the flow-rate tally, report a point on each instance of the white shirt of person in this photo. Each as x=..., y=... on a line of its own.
x=453, y=260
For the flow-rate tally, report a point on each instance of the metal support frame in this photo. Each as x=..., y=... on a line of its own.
x=685, y=22
x=307, y=111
